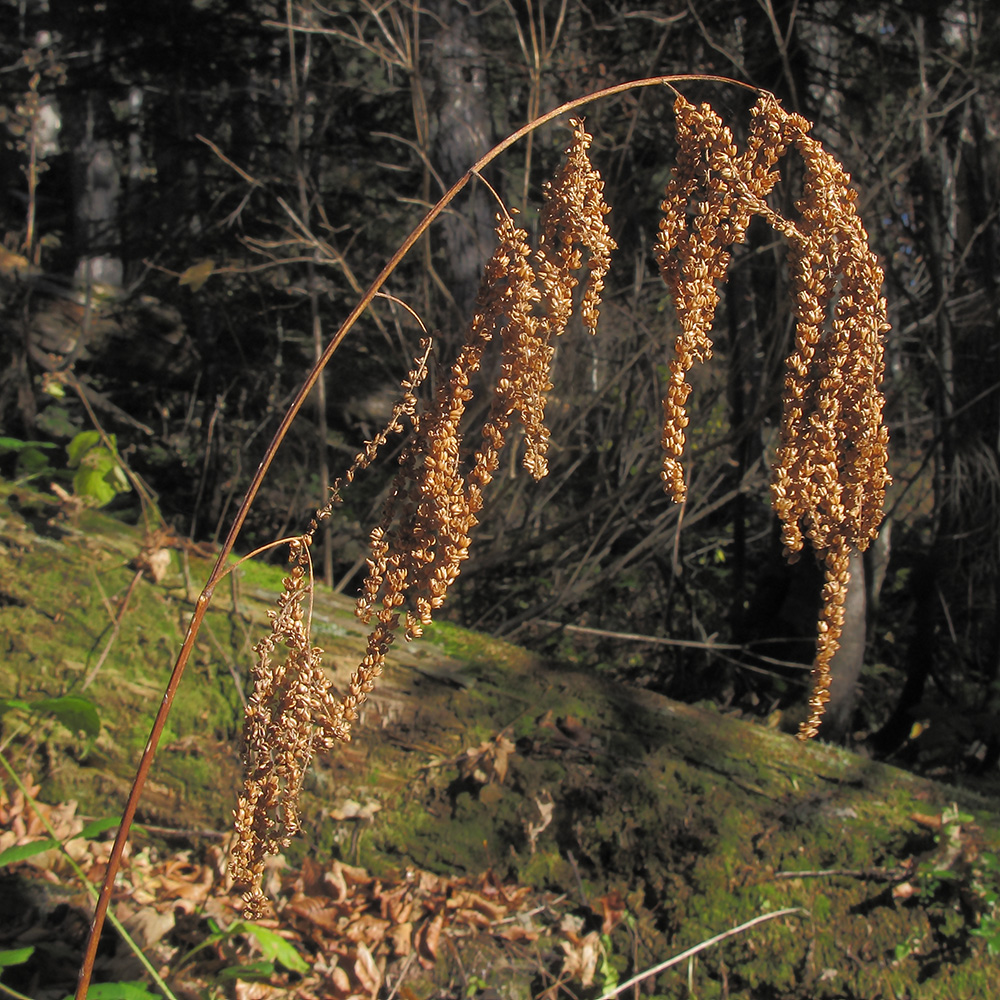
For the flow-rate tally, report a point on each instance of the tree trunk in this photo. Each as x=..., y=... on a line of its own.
x=461, y=130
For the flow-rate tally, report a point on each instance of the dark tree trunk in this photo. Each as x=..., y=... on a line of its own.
x=461, y=130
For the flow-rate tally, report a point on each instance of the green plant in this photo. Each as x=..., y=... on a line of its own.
x=98, y=473
x=9, y=959
x=77, y=714
x=273, y=947
x=32, y=460
x=958, y=886
x=94, y=468
x=986, y=884
x=607, y=976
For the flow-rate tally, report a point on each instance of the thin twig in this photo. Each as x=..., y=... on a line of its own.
x=677, y=959
x=116, y=625
x=875, y=874
x=402, y=974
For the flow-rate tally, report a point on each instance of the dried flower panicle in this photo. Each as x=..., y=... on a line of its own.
x=830, y=477
x=290, y=715
x=572, y=220
x=707, y=207
x=424, y=532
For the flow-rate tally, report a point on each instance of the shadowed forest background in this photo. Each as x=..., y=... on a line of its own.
x=194, y=195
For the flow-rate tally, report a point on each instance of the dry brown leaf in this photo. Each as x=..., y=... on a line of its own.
x=367, y=930
x=258, y=991
x=581, y=958
x=334, y=884
x=473, y=918
x=502, y=749
x=429, y=939
x=352, y=875
x=517, y=932
x=309, y=881
x=534, y=828
x=341, y=981
x=397, y=904
x=401, y=938
x=465, y=899
x=155, y=562
x=367, y=972
x=612, y=909
x=313, y=910
x=148, y=925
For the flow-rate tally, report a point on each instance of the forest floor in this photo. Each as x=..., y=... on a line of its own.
x=500, y=827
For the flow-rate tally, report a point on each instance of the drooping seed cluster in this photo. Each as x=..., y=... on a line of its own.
x=830, y=477
x=707, y=207
x=290, y=715
x=424, y=532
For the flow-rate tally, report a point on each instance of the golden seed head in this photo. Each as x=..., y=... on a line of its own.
x=830, y=475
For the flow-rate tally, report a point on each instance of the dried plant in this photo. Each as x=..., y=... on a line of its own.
x=829, y=476
x=423, y=535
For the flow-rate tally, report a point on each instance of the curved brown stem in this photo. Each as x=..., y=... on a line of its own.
x=145, y=762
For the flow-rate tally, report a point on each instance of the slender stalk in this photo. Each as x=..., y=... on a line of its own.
x=691, y=952
x=205, y=598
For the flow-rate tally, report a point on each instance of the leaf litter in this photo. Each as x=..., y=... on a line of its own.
x=339, y=932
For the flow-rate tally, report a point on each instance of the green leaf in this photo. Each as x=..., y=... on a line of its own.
x=99, y=475
x=23, y=851
x=80, y=445
x=56, y=420
x=92, y=484
x=119, y=991
x=75, y=713
x=99, y=826
x=274, y=946
x=12, y=704
x=250, y=972
x=16, y=957
x=32, y=462
x=14, y=444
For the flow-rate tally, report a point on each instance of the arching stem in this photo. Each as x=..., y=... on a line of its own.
x=219, y=569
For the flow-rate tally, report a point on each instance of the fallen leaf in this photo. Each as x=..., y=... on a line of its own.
x=367, y=971
x=430, y=938
x=581, y=958
x=148, y=925
x=401, y=938
x=155, y=562
x=612, y=909
x=546, y=807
